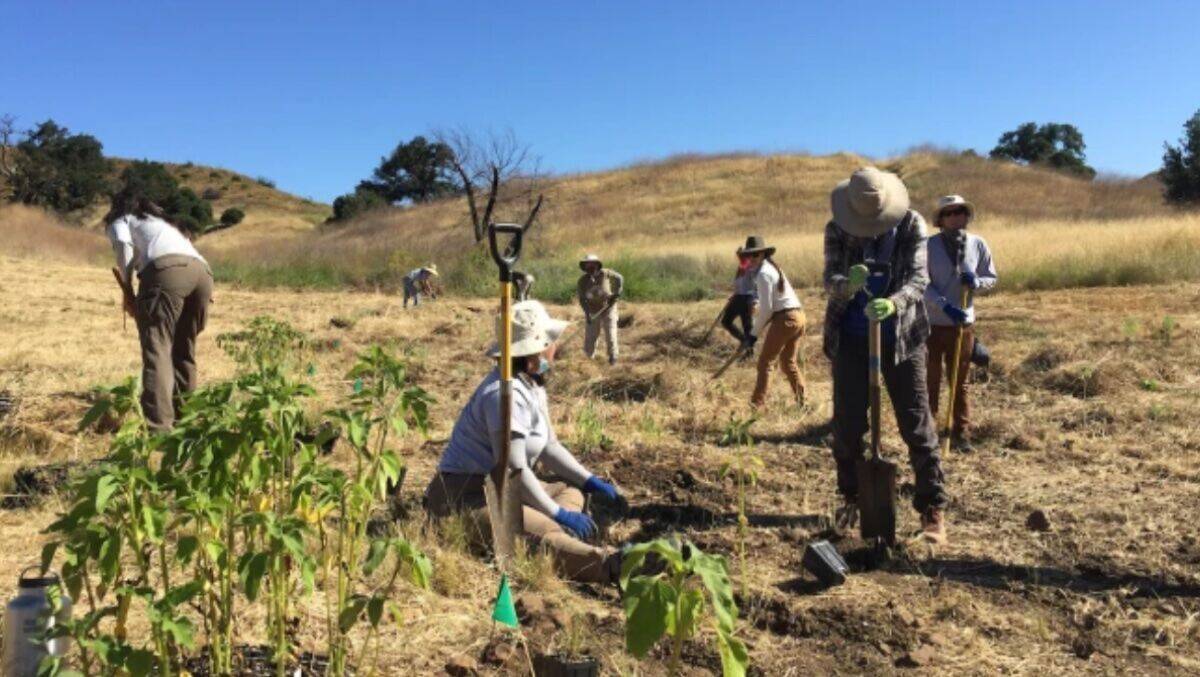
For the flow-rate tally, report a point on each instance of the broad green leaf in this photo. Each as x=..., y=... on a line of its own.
x=185, y=548
x=48, y=552
x=714, y=572
x=735, y=659
x=106, y=486
x=689, y=608
x=375, y=610
x=375, y=554
x=634, y=557
x=357, y=430
x=140, y=663
x=349, y=615
x=420, y=568
x=251, y=569
x=180, y=594
x=100, y=408
x=648, y=602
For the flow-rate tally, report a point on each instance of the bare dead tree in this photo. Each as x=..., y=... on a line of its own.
x=495, y=169
x=8, y=132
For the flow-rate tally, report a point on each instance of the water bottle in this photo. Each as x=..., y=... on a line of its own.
x=26, y=617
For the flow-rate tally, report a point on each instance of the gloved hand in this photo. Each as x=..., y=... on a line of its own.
x=970, y=280
x=598, y=486
x=576, y=523
x=880, y=309
x=858, y=277
x=955, y=313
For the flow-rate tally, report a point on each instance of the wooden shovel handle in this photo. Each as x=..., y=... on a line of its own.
x=875, y=382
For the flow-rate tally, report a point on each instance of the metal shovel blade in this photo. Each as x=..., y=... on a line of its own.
x=877, y=499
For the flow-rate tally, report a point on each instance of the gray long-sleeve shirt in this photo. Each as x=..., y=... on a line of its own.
x=945, y=284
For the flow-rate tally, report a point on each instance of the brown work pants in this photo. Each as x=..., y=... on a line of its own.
x=781, y=343
x=450, y=493
x=172, y=309
x=941, y=357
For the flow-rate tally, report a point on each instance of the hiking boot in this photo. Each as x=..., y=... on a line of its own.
x=846, y=516
x=933, y=526
x=962, y=444
x=612, y=360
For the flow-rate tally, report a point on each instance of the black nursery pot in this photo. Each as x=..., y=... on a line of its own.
x=561, y=666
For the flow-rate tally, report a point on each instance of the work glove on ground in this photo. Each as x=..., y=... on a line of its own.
x=880, y=309
x=577, y=523
x=970, y=280
x=955, y=313
x=858, y=277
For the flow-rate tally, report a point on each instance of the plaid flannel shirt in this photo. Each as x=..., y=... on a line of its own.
x=906, y=286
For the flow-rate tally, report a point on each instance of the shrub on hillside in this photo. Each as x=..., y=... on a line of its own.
x=211, y=194
x=59, y=170
x=264, y=181
x=1180, y=172
x=184, y=208
x=1055, y=145
x=353, y=204
x=232, y=217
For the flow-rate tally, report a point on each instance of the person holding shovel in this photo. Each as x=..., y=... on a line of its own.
x=171, y=304
x=417, y=282
x=875, y=271
x=960, y=266
x=553, y=512
x=598, y=290
x=779, y=320
x=740, y=307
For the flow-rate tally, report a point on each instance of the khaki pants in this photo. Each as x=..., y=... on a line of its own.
x=941, y=357
x=172, y=309
x=781, y=343
x=605, y=322
x=449, y=493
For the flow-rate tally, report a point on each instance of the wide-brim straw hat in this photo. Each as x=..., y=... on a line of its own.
x=870, y=203
x=949, y=202
x=754, y=245
x=590, y=258
x=533, y=330
x=432, y=268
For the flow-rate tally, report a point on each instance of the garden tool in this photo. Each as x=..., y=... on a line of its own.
x=876, y=475
x=126, y=293
x=713, y=326
x=737, y=354
x=964, y=298
x=502, y=489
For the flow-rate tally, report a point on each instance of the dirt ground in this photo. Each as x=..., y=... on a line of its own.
x=1088, y=415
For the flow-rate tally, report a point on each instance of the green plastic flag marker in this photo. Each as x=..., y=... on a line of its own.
x=358, y=386
x=503, y=611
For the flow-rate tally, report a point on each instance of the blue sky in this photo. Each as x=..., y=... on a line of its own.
x=312, y=94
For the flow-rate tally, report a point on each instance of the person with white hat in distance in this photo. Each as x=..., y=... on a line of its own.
x=875, y=271
x=598, y=290
x=553, y=513
x=419, y=281
x=957, y=260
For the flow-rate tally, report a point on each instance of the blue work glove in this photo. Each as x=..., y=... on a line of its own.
x=595, y=485
x=955, y=313
x=970, y=280
x=577, y=523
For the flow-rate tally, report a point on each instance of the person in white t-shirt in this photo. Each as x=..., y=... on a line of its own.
x=779, y=321
x=553, y=512
x=171, y=305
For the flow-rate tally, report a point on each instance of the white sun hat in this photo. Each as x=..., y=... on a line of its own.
x=870, y=203
x=950, y=201
x=533, y=330
x=590, y=258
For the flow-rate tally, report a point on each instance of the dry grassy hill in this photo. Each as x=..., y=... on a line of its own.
x=675, y=224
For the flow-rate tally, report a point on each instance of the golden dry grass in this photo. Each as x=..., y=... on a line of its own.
x=1089, y=415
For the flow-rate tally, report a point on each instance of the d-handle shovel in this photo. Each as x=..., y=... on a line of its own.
x=876, y=475
x=502, y=488
x=948, y=425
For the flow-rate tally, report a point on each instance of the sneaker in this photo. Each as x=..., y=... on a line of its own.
x=933, y=526
x=962, y=444
x=846, y=516
x=611, y=360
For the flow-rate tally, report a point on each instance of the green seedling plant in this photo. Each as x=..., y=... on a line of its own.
x=674, y=602
x=222, y=511
x=383, y=407
x=744, y=466
x=589, y=430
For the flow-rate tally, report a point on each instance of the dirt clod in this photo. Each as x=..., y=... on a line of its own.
x=462, y=666
x=1037, y=521
x=918, y=657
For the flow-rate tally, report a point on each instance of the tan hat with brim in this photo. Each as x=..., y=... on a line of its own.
x=590, y=258
x=432, y=268
x=870, y=203
x=533, y=330
x=949, y=202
